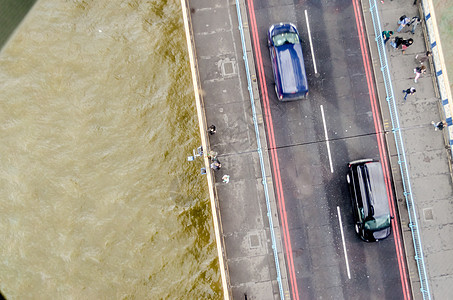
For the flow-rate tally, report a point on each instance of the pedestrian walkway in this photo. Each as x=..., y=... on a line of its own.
x=246, y=243
x=425, y=149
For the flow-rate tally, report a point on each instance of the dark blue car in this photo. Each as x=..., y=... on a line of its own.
x=287, y=62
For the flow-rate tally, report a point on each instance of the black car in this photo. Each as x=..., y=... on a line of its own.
x=370, y=201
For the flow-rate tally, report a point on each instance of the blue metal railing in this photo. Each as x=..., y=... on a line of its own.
x=260, y=152
x=419, y=258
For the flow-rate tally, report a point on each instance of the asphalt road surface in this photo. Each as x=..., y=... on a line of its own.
x=312, y=141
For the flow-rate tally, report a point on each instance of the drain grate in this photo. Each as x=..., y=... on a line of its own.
x=254, y=241
x=227, y=67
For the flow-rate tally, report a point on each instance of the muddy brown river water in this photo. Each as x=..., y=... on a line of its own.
x=97, y=118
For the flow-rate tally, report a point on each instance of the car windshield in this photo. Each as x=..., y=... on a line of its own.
x=379, y=223
x=288, y=37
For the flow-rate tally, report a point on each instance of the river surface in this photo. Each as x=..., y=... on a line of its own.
x=97, y=118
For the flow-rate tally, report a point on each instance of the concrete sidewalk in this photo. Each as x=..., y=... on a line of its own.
x=248, y=248
x=425, y=150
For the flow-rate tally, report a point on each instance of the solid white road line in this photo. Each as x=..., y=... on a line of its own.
x=327, y=139
x=311, y=43
x=344, y=244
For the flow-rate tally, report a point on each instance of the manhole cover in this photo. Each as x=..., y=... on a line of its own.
x=428, y=213
x=254, y=241
x=227, y=67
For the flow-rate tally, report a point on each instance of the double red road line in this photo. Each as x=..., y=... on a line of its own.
x=381, y=144
x=273, y=151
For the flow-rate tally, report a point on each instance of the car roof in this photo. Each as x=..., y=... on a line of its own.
x=290, y=62
x=377, y=197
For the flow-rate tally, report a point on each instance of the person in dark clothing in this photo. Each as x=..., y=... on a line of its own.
x=409, y=91
x=211, y=129
x=439, y=125
x=405, y=44
x=397, y=41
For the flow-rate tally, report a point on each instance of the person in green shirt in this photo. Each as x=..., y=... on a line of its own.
x=386, y=35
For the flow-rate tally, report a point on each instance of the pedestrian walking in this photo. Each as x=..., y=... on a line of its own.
x=409, y=91
x=226, y=178
x=397, y=41
x=414, y=22
x=386, y=35
x=403, y=21
x=422, y=58
x=439, y=125
x=405, y=44
x=418, y=72
x=212, y=129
